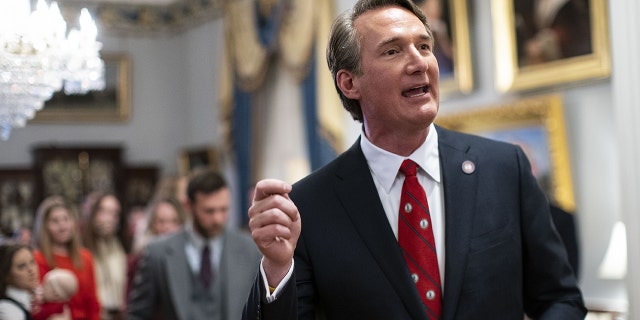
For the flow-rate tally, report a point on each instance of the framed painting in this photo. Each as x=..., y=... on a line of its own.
x=541, y=43
x=195, y=158
x=449, y=22
x=112, y=104
x=537, y=125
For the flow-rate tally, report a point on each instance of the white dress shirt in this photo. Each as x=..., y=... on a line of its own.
x=193, y=250
x=385, y=166
x=8, y=309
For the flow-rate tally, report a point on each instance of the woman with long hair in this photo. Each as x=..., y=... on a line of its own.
x=59, y=246
x=101, y=215
x=18, y=281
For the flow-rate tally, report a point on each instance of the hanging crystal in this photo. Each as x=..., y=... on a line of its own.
x=37, y=58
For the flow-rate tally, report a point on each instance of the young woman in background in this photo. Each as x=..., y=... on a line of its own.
x=101, y=215
x=59, y=246
x=18, y=282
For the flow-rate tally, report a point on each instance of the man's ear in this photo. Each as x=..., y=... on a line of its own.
x=347, y=83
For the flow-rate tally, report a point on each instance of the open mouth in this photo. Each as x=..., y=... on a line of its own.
x=415, y=92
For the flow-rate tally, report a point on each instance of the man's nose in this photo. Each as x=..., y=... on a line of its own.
x=417, y=62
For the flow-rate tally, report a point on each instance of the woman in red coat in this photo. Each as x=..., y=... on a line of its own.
x=58, y=246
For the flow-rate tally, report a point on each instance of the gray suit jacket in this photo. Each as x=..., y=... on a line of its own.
x=503, y=255
x=162, y=283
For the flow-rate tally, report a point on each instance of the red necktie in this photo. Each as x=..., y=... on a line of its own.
x=415, y=236
x=206, y=272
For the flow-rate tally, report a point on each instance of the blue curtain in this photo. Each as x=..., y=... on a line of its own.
x=320, y=151
x=241, y=133
x=268, y=28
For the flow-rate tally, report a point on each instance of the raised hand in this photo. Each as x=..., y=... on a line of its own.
x=275, y=226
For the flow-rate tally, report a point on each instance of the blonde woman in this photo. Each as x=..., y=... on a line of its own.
x=59, y=246
x=164, y=216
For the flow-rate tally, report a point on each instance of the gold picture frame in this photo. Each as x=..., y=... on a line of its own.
x=531, y=51
x=537, y=125
x=454, y=52
x=197, y=158
x=112, y=104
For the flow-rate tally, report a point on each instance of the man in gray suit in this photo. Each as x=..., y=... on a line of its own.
x=204, y=271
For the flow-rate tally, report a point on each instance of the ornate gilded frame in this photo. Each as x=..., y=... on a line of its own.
x=113, y=104
x=197, y=157
x=511, y=77
x=462, y=79
x=515, y=122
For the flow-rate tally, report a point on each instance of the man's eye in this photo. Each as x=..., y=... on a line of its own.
x=391, y=52
x=425, y=47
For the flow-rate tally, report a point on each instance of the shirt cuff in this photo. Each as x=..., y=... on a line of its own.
x=272, y=296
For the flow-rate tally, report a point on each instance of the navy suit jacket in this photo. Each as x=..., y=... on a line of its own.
x=503, y=255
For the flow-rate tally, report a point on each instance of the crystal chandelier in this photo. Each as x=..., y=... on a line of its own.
x=38, y=58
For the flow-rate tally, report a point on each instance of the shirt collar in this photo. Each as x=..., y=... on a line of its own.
x=20, y=295
x=197, y=240
x=384, y=165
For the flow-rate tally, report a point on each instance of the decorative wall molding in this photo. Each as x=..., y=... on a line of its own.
x=144, y=20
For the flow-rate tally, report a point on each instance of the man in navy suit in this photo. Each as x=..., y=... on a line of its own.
x=330, y=243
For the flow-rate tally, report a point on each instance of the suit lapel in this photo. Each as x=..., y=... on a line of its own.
x=178, y=274
x=224, y=275
x=359, y=196
x=229, y=273
x=460, y=199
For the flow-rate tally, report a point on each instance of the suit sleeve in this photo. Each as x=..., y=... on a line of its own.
x=143, y=293
x=550, y=286
x=284, y=307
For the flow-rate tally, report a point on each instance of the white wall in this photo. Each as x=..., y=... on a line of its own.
x=204, y=47
x=626, y=98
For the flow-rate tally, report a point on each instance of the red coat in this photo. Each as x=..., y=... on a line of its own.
x=84, y=304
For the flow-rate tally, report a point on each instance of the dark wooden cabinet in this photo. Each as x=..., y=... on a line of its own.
x=72, y=172
x=17, y=199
